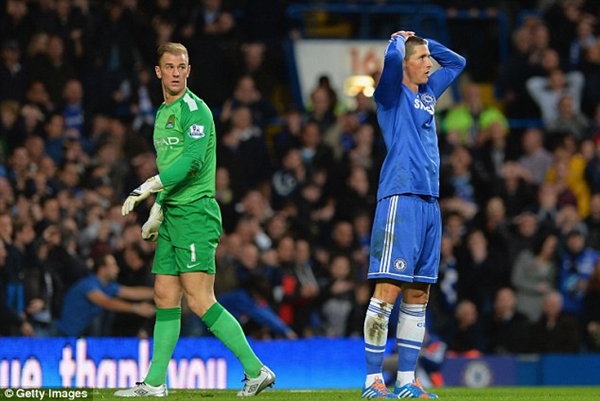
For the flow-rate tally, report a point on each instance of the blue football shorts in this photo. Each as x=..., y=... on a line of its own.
x=406, y=239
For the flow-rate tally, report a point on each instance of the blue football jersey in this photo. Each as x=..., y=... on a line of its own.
x=412, y=163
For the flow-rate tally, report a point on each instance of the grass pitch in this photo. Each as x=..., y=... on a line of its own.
x=445, y=394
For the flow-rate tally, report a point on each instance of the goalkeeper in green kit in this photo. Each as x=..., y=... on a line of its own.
x=186, y=221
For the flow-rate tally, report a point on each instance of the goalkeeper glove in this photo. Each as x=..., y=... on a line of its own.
x=150, y=186
x=150, y=227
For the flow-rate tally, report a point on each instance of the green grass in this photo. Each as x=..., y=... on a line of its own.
x=446, y=394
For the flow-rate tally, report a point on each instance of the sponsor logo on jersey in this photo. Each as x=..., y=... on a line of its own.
x=196, y=131
x=163, y=143
x=170, y=122
x=400, y=264
x=430, y=108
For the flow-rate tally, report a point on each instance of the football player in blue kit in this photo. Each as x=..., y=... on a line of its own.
x=406, y=236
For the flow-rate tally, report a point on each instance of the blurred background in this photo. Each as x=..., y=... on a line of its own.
x=290, y=84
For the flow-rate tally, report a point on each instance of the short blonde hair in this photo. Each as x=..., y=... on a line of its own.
x=172, y=48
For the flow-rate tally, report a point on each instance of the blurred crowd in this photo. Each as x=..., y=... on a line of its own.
x=520, y=265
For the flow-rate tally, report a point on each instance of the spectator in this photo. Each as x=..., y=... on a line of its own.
x=554, y=332
x=516, y=193
x=41, y=292
x=73, y=109
x=55, y=138
x=356, y=317
x=32, y=119
x=241, y=144
x=357, y=194
x=463, y=183
x=591, y=311
x=211, y=28
x=10, y=130
x=13, y=272
x=13, y=75
x=289, y=134
x=591, y=70
x=338, y=296
x=143, y=102
x=54, y=69
x=481, y=271
x=257, y=63
x=37, y=95
x=569, y=121
x=322, y=108
x=536, y=159
x=514, y=72
x=250, y=299
x=60, y=257
x=288, y=180
x=472, y=116
x=444, y=296
x=85, y=302
x=115, y=52
x=584, y=40
x=534, y=275
x=134, y=271
x=365, y=154
x=495, y=224
x=568, y=173
x=592, y=223
x=524, y=233
x=12, y=323
x=492, y=151
x=592, y=168
x=546, y=92
x=297, y=295
x=16, y=22
x=506, y=329
x=68, y=22
x=466, y=338
x=577, y=263
x=224, y=195
x=245, y=94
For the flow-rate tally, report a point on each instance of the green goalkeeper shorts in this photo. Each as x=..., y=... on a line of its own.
x=188, y=238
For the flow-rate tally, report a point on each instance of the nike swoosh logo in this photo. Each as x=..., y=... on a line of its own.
x=192, y=266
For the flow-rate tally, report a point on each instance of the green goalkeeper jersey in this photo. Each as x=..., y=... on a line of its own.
x=185, y=143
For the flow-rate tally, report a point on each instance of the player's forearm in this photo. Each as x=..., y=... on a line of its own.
x=446, y=57
x=394, y=55
x=137, y=293
x=119, y=305
x=179, y=171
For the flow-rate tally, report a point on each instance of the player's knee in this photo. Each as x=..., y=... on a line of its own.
x=387, y=290
x=415, y=295
x=166, y=298
x=200, y=303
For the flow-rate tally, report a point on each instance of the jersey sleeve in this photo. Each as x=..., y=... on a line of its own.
x=197, y=125
x=451, y=63
x=390, y=81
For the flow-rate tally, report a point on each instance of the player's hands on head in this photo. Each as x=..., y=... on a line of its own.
x=150, y=186
x=150, y=227
x=405, y=34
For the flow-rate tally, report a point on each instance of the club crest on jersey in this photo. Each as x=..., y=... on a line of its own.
x=170, y=122
x=196, y=131
x=426, y=101
x=400, y=264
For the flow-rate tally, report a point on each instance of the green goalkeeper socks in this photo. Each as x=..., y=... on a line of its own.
x=227, y=329
x=166, y=334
